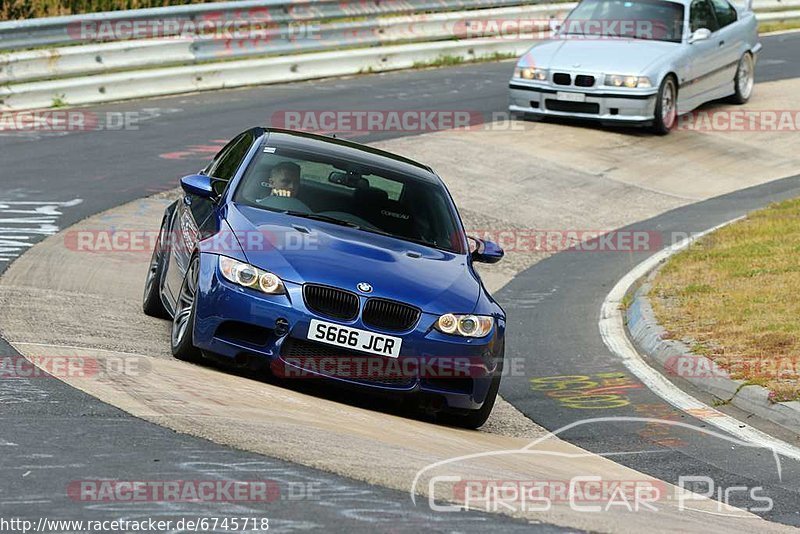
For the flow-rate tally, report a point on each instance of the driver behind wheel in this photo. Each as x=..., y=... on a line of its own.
x=284, y=179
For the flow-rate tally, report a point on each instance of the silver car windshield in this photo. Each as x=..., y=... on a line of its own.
x=653, y=20
x=315, y=186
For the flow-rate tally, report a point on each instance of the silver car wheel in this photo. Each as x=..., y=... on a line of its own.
x=668, y=112
x=185, y=304
x=746, y=79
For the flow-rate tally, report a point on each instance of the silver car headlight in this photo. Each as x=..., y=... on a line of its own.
x=631, y=82
x=465, y=325
x=530, y=73
x=246, y=275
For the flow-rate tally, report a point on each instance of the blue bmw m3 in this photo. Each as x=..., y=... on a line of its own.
x=314, y=257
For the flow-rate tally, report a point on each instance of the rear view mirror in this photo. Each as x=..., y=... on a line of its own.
x=337, y=177
x=348, y=180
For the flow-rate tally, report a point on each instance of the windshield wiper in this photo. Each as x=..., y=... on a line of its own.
x=323, y=218
x=634, y=36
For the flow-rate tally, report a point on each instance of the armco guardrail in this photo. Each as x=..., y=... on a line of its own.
x=92, y=59
x=173, y=20
x=256, y=42
x=167, y=81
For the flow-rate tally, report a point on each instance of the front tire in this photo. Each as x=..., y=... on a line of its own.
x=183, y=321
x=666, y=106
x=745, y=79
x=476, y=418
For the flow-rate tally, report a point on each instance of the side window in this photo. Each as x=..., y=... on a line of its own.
x=702, y=16
x=229, y=159
x=222, y=168
x=725, y=12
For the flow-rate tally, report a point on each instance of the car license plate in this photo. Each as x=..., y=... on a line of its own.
x=354, y=338
x=570, y=97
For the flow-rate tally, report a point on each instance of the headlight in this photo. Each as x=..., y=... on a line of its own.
x=617, y=80
x=465, y=325
x=529, y=73
x=246, y=275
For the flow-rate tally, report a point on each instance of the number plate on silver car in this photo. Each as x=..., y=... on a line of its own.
x=570, y=97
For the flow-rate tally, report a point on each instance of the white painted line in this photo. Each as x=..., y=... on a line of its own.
x=612, y=330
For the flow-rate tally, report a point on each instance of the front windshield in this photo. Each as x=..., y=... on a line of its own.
x=656, y=20
x=318, y=187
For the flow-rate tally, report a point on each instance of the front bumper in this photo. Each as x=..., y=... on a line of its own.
x=539, y=99
x=245, y=325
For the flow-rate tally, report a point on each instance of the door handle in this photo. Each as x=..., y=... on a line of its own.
x=722, y=43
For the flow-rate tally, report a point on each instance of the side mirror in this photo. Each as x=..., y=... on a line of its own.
x=199, y=185
x=485, y=251
x=702, y=34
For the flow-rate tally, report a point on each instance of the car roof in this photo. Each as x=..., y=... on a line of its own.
x=350, y=151
x=682, y=2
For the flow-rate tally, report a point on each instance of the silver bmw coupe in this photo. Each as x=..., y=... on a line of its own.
x=639, y=62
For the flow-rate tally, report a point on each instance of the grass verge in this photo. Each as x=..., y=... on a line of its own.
x=451, y=61
x=732, y=296
x=769, y=27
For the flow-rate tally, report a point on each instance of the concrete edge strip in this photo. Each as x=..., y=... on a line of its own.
x=646, y=333
x=613, y=331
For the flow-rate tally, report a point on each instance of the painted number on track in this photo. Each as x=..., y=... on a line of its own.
x=601, y=391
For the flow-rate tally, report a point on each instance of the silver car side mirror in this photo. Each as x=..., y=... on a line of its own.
x=701, y=34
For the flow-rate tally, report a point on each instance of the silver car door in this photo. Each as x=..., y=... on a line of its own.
x=732, y=39
x=705, y=56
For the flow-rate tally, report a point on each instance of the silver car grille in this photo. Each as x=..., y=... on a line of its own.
x=568, y=80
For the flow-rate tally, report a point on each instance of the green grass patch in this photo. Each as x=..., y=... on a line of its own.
x=734, y=294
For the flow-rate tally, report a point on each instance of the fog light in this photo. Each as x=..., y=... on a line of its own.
x=281, y=327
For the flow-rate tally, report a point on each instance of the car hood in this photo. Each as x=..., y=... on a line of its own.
x=607, y=56
x=302, y=250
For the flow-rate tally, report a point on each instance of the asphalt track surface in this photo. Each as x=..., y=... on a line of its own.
x=555, y=306
x=54, y=434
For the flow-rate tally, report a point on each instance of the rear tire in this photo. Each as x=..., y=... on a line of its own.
x=666, y=113
x=182, y=332
x=745, y=79
x=152, y=304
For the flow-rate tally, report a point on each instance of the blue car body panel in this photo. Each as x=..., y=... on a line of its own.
x=236, y=322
